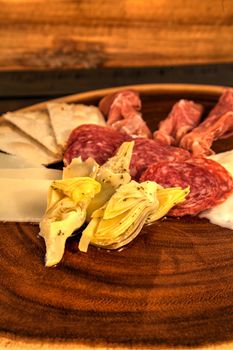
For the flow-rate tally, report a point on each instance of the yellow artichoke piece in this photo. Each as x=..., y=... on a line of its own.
x=168, y=198
x=56, y=233
x=126, y=197
x=66, y=212
x=111, y=175
x=79, y=168
x=117, y=220
x=77, y=188
x=117, y=166
x=121, y=219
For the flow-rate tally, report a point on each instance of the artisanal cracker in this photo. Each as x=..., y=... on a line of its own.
x=37, y=125
x=14, y=141
x=66, y=117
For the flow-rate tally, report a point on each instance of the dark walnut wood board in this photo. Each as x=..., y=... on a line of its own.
x=171, y=287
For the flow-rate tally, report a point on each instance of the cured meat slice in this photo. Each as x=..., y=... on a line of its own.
x=209, y=182
x=224, y=105
x=123, y=112
x=94, y=141
x=134, y=126
x=121, y=104
x=217, y=125
x=148, y=151
x=184, y=116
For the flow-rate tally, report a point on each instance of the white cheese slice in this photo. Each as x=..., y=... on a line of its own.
x=23, y=200
x=8, y=161
x=66, y=117
x=225, y=159
x=222, y=214
x=37, y=125
x=31, y=173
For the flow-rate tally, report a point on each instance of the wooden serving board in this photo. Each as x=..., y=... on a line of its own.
x=172, y=287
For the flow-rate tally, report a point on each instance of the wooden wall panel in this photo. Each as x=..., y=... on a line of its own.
x=39, y=34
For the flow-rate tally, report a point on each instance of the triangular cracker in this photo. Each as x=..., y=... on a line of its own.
x=14, y=141
x=66, y=117
x=37, y=125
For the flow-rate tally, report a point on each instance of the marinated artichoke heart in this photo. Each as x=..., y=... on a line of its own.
x=111, y=175
x=121, y=219
x=168, y=198
x=66, y=212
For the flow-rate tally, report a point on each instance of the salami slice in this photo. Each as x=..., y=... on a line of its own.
x=98, y=142
x=147, y=151
x=209, y=182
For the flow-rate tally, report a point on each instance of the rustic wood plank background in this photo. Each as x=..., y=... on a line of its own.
x=39, y=34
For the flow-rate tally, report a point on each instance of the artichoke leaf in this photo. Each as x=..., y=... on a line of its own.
x=53, y=198
x=116, y=220
x=66, y=212
x=79, y=168
x=129, y=195
x=78, y=189
x=168, y=198
x=111, y=175
x=55, y=234
x=129, y=235
x=88, y=232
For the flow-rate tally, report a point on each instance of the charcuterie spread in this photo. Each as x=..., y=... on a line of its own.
x=118, y=175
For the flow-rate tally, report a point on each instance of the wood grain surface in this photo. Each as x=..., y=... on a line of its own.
x=39, y=34
x=172, y=287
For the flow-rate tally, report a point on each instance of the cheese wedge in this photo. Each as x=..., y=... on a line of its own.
x=23, y=200
x=31, y=173
x=8, y=161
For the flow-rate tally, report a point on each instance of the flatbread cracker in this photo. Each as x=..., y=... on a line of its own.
x=66, y=117
x=14, y=141
x=37, y=125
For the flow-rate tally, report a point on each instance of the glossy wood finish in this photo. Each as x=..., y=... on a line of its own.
x=171, y=287
x=103, y=33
